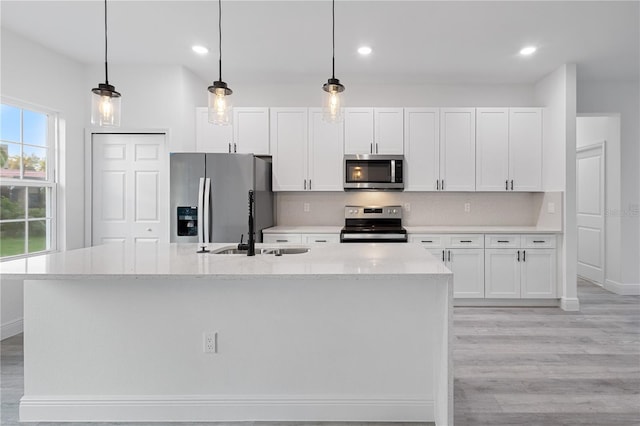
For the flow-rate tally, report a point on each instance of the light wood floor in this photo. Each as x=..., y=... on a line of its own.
x=513, y=366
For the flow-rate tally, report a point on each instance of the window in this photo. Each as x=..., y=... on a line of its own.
x=27, y=185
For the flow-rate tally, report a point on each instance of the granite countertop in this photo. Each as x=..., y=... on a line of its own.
x=168, y=261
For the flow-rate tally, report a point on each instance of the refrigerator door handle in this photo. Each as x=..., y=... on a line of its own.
x=200, y=209
x=207, y=216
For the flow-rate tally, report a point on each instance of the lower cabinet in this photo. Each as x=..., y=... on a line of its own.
x=467, y=266
x=300, y=238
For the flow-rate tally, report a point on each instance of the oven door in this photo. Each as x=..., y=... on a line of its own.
x=373, y=172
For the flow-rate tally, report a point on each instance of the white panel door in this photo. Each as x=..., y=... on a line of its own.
x=458, y=149
x=326, y=147
x=502, y=273
x=358, y=131
x=525, y=149
x=492, y=149
x=467, y=266
x=389, y=131
x=421, y=149
x=538, y=274
x=129, y=188
x=251, y=130
x=590, y=205
x=212, y=138
x=289, y=148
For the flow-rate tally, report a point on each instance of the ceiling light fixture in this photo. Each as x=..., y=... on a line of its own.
x=200, y=50
x=529, y=50
x=219, y=92
x=332, y=105
x=105, y=101
x=364, y=50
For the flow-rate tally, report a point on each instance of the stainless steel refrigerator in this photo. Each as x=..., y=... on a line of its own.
x=209, y=197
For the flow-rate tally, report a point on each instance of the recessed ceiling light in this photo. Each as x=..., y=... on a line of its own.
x=364, y=50
x=529, y=50
x=200, y=50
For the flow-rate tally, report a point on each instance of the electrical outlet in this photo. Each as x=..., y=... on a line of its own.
x=467, y=207
x=306, y=207
x=210, y=342
x=551, y=207
x=407, y=207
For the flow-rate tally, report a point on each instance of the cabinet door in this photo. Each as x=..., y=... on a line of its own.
x=282, y=238
x=326, y=145
x=502, y=273
x=251, y=130
x=212, y=138
x=320, y=238
x=289, y=148
x=388, y=131
x=458, y=149
x=358, y=130
x=467, y=266
x=421, y=149
x=525, y=149
x=539, y=274
x=492, y=149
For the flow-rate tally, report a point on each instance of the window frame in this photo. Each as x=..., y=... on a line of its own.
x=50, y=182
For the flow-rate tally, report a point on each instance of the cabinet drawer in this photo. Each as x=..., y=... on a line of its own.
x=501, y=241
x=538, y=241
x=428, y=241
x=320, y=238
x=466, y=241
x=282, y=238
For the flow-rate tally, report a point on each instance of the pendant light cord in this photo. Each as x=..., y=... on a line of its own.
x=333, y=54
x=106, y=68
x=220, y=39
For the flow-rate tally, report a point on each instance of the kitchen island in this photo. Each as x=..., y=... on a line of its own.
x=344, y=332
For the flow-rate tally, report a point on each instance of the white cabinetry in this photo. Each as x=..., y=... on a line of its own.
x=302, y=238
x=509, y=149
x=212, y=138
x=422, y=149
x=251, y=130
x=522, y=270
x=307, y=152
x=464, y=255
x=282, y=238
x=249, y=133
x=290, y=149
x=373, y=131
x=457, y=149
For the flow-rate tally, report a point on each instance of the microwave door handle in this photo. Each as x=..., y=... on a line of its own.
x=393, y=171
x=207, y=215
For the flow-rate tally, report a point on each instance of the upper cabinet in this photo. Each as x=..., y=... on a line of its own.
x=249, y=133
x=422, y=149
x=251, y=130
x=509, y=149
x=373, y=131
x=326, y=145
x=457, y=149
x=211, y=138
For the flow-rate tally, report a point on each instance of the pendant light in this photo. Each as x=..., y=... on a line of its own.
x=332, y=103
x=105, y=101
x=219, y=102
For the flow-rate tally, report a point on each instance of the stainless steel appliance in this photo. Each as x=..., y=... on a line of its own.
x=373, y=225
x=373, y=172
x=209, y=196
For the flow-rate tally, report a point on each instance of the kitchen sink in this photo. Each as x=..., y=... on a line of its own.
x=276, y=251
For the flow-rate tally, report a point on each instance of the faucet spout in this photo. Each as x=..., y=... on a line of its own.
x=252, y=239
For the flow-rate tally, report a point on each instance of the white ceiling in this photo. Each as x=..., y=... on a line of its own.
x=290, y=41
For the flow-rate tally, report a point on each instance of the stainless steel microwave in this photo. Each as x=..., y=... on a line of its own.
x=374, y=172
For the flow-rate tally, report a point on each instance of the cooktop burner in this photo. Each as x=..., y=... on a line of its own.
x=373, y=224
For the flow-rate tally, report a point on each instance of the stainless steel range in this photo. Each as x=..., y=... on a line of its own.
x=373, y=225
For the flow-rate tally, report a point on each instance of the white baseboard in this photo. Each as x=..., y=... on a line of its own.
x=11, y=328
x=570, y=304
x=526, y=303
x=198, y=408
x=622, y=289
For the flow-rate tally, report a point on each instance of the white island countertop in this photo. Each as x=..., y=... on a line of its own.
x=142, y=261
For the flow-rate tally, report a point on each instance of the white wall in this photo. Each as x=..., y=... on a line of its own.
x=622, y=98
x=557, y=92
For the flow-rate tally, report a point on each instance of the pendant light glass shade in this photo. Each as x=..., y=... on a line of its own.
x=105, y=106
x=219, y=93
x=105, y=101
x=333, y=102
